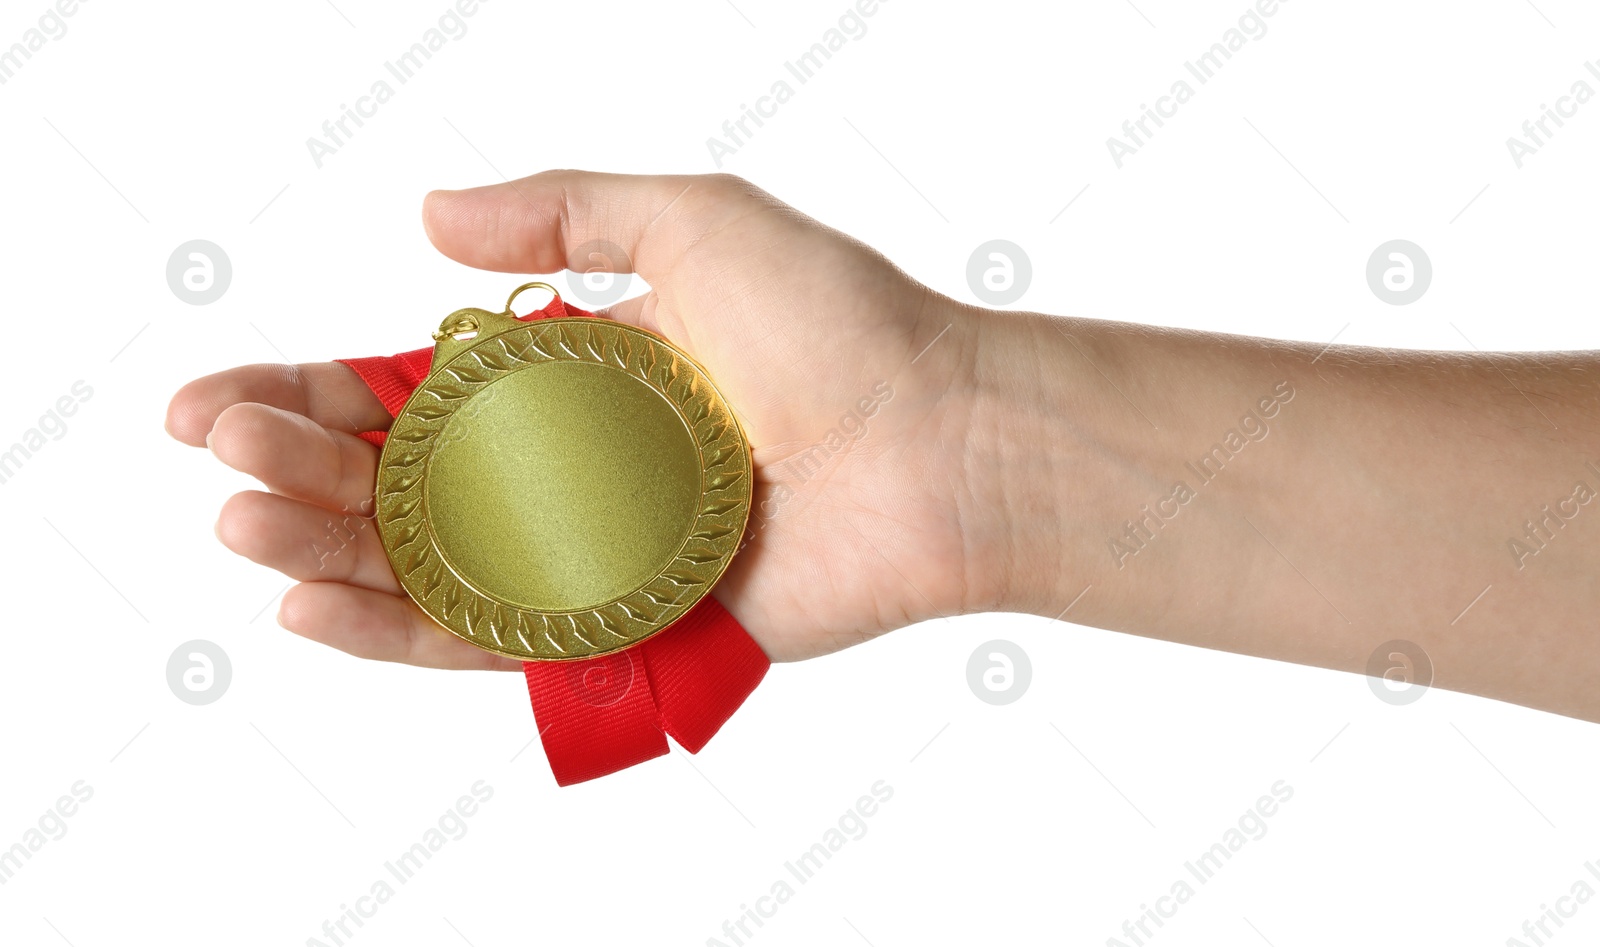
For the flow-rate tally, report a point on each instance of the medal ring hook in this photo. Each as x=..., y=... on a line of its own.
x=464, y=324
x=525, y=287
x=459, y=326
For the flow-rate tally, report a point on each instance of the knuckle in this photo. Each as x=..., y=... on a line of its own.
x=731, y=185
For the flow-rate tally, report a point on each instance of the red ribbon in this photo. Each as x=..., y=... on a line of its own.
x=604, y=714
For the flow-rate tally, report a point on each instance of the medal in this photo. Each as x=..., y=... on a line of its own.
x=565, y=490
x=560, y=489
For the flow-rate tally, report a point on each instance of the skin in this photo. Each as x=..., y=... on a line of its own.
x=1013, y=448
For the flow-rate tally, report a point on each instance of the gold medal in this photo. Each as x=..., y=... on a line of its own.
x=560, y=488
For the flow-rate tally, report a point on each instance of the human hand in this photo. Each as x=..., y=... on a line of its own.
x=851, y=379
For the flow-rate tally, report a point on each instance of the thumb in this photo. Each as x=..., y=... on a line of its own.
x=583, y=221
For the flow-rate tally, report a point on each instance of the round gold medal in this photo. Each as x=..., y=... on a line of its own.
x=560, y=488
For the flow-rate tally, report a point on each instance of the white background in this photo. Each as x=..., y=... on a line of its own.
x=252, y=820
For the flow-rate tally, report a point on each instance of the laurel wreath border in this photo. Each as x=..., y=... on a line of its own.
x=535, y=635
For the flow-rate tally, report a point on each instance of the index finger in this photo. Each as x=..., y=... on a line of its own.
x=329, y=393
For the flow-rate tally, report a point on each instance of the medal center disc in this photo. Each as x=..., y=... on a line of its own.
x=562, y=486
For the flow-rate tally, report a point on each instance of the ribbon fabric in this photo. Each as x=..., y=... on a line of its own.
x=600, y=715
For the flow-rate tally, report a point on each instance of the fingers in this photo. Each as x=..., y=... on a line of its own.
x=328, y=393
x=306, y=543
x=381, y=627
x=295, y=456
x=637, y=311
x=545, y=223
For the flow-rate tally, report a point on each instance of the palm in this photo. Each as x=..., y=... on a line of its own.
x=818, y=342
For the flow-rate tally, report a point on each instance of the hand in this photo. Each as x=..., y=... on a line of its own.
x=851, y=379
x=915, y=457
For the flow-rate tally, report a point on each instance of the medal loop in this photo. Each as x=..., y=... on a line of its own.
x=527, y=286
x=460, y=326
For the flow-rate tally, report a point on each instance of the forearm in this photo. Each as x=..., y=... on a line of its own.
x=1279, y=500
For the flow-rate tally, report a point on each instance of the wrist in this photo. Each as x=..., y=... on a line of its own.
x=1021, y=432
x=1057, y=448
x=1028, y=431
